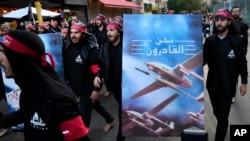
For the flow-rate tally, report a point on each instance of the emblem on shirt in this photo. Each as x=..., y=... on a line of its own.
x=65, y=132
x=231, y=55
x=78, y=59
x=37, y=122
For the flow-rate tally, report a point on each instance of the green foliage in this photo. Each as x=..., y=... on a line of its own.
x=213, y=2
x=188, y=6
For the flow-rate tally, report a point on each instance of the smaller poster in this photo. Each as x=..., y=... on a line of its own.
x=53, y=45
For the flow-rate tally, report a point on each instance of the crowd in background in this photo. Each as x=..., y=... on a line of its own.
x=103, y=56
x=86, y=43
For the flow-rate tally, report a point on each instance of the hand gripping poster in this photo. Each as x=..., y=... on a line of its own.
x=162, y=75
x=53, y=45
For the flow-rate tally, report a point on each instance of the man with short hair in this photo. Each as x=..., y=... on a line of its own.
x=241, y=26
x=225, y=56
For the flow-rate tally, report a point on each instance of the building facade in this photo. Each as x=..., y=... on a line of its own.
x=86, y=10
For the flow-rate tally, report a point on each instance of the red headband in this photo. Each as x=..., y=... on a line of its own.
x=224, y=14
x=18, y=47
x=64, y=30
x=30, y=27
x=43, y=25
x=100, y=17
x=78, y=27
x=113, y=25
x=119, y=20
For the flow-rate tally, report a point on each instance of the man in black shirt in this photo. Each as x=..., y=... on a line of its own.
x=99, y=30
x=240, y=28
x=81, y=66
x=111, y=55
x=225, y=56
x=240, y=25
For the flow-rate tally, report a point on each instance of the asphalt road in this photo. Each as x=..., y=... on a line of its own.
x=239, y=115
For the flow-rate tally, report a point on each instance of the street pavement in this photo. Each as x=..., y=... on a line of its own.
x=239, y=115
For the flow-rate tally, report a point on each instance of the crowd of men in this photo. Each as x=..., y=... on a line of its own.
x=91, y=56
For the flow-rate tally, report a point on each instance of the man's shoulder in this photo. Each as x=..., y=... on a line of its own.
x=211, y=37
x=242, y=22
x=234, y=37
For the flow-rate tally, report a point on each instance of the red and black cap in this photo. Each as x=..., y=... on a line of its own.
x=223, y=13
x=30, y=26
x=115, y=25
x=119, y=19
x=43, y=25
x=100, y=17
x=80, y=26
x=64, y=30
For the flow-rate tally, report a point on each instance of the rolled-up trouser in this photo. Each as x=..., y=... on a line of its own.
x=86, y=107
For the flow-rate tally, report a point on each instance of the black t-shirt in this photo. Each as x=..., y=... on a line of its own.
x=115, y=66
x=100, y=35
x=225, y=58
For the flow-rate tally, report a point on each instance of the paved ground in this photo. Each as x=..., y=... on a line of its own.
x=239, y=115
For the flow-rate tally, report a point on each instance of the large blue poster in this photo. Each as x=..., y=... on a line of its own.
x=53, y=45
x=162, y=78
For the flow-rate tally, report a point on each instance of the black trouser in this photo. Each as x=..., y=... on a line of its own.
x=1, y=97
x=221, y=103
x=86, y=107
x=1, y=114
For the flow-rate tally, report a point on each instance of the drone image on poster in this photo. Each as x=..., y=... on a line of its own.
x=168, y=78
x=172, y=77
x=148, y=119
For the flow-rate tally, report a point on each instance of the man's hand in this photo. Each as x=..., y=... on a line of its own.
x=243, y=89
x=97, y=82
x=94, y=96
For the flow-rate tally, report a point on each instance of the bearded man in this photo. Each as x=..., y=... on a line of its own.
x=224, y=53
